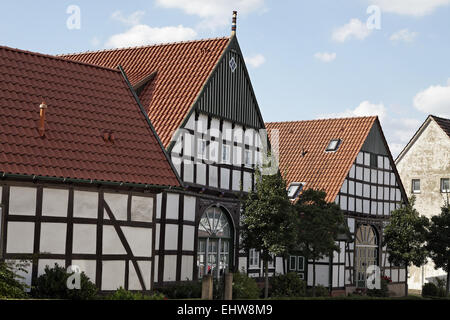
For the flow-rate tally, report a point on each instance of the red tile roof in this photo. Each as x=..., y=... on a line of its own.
x=181, y=71
x=84, y=101
x=319, y=169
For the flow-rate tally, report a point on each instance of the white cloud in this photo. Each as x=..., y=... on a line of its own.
x=215, y=13
x=403, y=35
x=141, y=35
x=95, y=42
x=255, y=61
x=410, y=7
x=131, y=20
x=325, y=56
x=434, y=100
x=364, y=109
x=354, y=29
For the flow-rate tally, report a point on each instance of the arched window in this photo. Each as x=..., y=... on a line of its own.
x=214, y=242
x=366, y=245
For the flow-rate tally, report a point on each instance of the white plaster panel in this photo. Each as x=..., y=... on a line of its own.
x=113, y=275
x=227, y=130
x=20, y=237
x=172, y=206
x=237, y=155
x=238, y=133
x=111, y=241
x=158, y=205
x=322, y=274
x=190, y=124
x=341, y=276
x=347, y=277
x=157, y=230
x=248, y=137
x=170, y=268
x=188, y=145
x=224, y=178
x=187, y=268
x=188, y=174
x=201, y=174
x=50, y=263
x=171, y=240
x=188, y=238
x=139, y=240
x=146, y=270
x=141, y=209
x=236, y=180
x=310, y=272
x=118, y=203
x=213, y=152
x=55, y=202
x=213, y=176
x=155, y=268
x=53, y=238
x=335, y=282
x=22, y=201
x=176, y=161
x=394, y=275
x=88, y=267
x=189, y=208
x=351, y=224
x=242, y=264
x=202, y=123
x=84, y=238
x=133, y=280
x=85, y=204
x=402, y=275
x=247, y=182
x=215, y=127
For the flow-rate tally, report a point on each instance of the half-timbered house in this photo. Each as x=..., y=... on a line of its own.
x=80, y=168
x=199, y=97
x=350, y=160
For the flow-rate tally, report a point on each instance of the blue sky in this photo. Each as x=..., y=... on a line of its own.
x=307, y=59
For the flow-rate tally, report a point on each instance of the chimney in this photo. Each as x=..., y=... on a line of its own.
x=233, y=24
x=42, y=109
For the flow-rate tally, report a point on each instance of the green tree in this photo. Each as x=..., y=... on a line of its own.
x=268, y=220
x=438, y=241
x=320, y=224
x=12, y=285
x=405, y=237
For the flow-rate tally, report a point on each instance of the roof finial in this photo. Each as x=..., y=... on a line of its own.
x=233, y=24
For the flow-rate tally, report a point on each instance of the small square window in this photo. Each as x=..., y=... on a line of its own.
x=415, y=186
x=333, y=145
x=294, y=189
x=445, y=185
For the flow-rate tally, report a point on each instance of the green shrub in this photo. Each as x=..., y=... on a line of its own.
x=12, y=285
x=183, y=290
x=321, y=291
x=441, y=287
x=122, y=294
x=245, y=287
x=429, y=290
x=382, y=292
x=53, y=285
x=287, y=285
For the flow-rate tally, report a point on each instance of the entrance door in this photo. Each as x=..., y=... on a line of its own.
x=366, y=253
x=214, y=243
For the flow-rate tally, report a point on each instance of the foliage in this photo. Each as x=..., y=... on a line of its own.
x=318, y=291
x=438, y=240
x=319, y=225
x=429, y=290
x=12, y=285
x=268, y=219
x=53, y=285
x=383, y=291
x=288, y=285
x=122, y=294
x=183, y=290
x=405, y=236
x=245, y=287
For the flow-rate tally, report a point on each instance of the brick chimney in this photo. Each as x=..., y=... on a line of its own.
x=233, y=24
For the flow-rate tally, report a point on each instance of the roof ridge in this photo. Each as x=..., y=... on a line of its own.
x=142, y=47
x=55, y=57
x=321, y=119
x=433, y=116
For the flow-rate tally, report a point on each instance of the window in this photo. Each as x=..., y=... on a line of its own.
x=294, y=189
x=333, y=145
x=253, y=259
x=415, y=186
x=225, y=153
x=445, y=185
x=201, y=149
x=297, y=264
x=248, y=158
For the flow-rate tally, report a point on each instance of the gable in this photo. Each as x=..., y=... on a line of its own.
x=228, y=93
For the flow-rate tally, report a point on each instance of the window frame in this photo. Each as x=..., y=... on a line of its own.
x=338, y=144
x=226, y=160
x=442, y=185
x=415, y=191
x=299, y=185
x=254, y=259
x=204, y=155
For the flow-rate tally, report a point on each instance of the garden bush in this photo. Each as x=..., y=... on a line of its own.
x=53, y=285
x=184, y=290
x=287, y=285
x=122, y=294
x=321, y=291
x=245, y=287
x=429, y=290
x=383, y=291
x=12, y=285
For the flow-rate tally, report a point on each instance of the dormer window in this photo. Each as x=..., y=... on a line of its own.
x=333, y=145
x=294, y=190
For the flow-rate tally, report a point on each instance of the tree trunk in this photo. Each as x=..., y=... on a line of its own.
x=448, y=282
x=314, y=278
x=406, y=281
x=266, y=278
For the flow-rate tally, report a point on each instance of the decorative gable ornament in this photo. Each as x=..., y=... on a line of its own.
x=233, y=64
